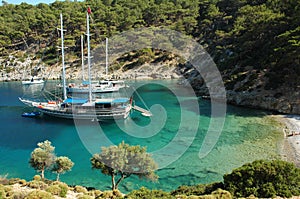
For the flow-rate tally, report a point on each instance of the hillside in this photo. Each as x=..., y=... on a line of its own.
x=259, y=179
x=255, y=44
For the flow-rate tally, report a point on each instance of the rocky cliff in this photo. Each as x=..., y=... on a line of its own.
x=250, y=88
x=244, y=87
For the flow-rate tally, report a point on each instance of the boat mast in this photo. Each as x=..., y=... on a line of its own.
x=82, y=57
x=63, y=57
x=106, y=56
x=89, y=55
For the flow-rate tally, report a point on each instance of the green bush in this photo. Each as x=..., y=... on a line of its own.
x=85, y=197
x=80, y=189
x=97, y=193
x=14, y=181
x=54, y=189
x=37, y=177
x=19, y=194
x=22, y=182
x=181, y=197
x=144, y=193
x=221, y=194
x=37, y=184
x=39, y=194
x=5, y=191
x=64, y=190
x=2, y=191
x=264, y=179
x=110, y=194
x=106, y=194
x=268, y=190
x=202, y=197
x=117, y=193
x=200, y=189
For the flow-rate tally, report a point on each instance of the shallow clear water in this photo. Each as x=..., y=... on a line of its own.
x=246, y=136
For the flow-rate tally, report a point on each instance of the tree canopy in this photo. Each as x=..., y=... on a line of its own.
x=61, y=165
x=42, y=157
x=264, y=179
x=123, y=161
x=262, y=34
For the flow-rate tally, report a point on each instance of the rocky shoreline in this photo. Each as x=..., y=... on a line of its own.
x=291, y=144
x=284, y=99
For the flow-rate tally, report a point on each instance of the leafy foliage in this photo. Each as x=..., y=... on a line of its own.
x=264, y=179
x=62, y=164
x=37, y=184
x=144, y=193
x=200, y=189
x=42, y=157
x=124, y=160
x=39, y=194
x=58, y=188
x=263, y=34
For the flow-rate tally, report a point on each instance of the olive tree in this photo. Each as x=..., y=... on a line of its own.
x=123, y=161
x=42, y=157
x=61, y=165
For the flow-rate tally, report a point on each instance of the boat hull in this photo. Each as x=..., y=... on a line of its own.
x=94, y=90
x=81, y=112
x=29, y=82
x=87, y=116
x=105, y=86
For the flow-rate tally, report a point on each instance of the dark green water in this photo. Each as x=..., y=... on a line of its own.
x=247, y=135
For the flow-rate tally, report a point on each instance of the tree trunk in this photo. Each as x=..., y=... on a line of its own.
x=118, y=182
x=42, y=173
x=57, y=177
x=113, y=183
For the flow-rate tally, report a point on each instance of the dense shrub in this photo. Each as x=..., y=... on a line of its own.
x=13, y=181
x=22, y=182
x=37, y=184
x=144, y=193
x=39, y=194
x=200, y=189
x=264, y=179
x=54, y=190
x=19, y=194
x=37, y=177
x=80, y=189
x=85, y=197
x=221, y=194
x=108, y=194
x=97, y=193
x=3, y=191
x=62, y=186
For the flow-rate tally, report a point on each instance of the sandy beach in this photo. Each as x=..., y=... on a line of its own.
x=291, y=144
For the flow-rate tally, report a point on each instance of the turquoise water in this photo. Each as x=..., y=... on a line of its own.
x=247, y=135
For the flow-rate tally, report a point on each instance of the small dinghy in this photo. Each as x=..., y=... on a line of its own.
x=31, y=114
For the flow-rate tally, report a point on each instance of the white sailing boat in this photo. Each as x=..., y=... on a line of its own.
x=102, y=86
x=33, y=80
x=75, y=108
